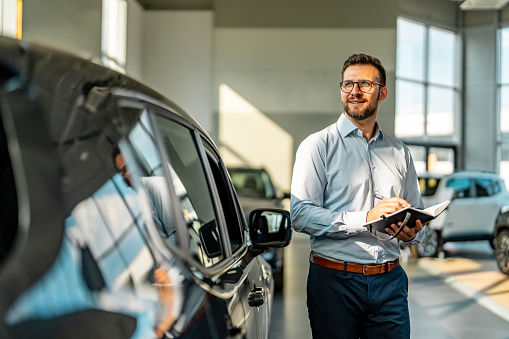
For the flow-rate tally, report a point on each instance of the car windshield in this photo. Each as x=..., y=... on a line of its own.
x=252, y=183
x=428, y=186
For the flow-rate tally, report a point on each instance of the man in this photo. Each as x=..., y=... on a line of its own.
x=356, y=287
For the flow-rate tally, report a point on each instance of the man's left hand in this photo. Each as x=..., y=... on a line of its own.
x=407, y=233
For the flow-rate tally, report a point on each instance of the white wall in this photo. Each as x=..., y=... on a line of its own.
x=288, y=75
x=74, y=26
x=176, y=59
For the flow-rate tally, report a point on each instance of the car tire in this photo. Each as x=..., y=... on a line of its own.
x=430, y=245
x=502, y=251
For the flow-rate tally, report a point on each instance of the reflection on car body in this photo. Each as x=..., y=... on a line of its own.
x=86, y=253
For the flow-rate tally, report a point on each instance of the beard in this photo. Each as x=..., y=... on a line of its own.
x=364, y=114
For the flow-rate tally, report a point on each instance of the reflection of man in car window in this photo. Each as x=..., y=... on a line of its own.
x=159, y=197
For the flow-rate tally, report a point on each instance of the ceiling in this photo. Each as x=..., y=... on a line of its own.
x=177, y=4
x=478, y=5
x=466, y=5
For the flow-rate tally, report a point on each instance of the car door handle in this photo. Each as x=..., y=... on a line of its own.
x=256, y=297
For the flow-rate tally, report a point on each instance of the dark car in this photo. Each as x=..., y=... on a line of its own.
x=255, y=190
x=117, y=216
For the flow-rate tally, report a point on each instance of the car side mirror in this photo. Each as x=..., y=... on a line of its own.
x=270, y=228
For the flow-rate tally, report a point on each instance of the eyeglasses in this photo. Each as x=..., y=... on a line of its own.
x=364, y=85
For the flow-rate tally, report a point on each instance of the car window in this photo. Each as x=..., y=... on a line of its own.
x=228, y=207
x=461, y=187
x=496, y=187
x=8, y=199
x=193, y=192
x=428, y=186
x=269, y=188
x=252, y=183
x=248, y=184
x=483, y=187
x=145, y=161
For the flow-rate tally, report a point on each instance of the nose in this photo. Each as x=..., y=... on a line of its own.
x=356, y=89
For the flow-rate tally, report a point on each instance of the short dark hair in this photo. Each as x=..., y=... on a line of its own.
x=356, y=59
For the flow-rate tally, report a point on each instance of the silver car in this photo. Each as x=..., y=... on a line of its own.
x=477, y=198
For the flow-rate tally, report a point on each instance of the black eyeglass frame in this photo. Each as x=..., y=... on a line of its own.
x=357, y=82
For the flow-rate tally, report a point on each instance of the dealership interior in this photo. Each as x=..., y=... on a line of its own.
x=260, y=76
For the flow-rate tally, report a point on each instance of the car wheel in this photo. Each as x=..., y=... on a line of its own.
x=430, y=245
x=502, y=251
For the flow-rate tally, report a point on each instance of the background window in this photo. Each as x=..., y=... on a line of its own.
x=425, y=81
x=114, y=34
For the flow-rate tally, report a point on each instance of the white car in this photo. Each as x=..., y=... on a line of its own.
x=477, y=198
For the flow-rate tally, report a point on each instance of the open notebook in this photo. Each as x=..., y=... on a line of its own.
x=425, y=215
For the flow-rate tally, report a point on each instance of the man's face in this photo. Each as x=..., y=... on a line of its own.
x=359, y=105
x=120, y=165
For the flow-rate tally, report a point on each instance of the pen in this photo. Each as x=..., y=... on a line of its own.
x=378, y=196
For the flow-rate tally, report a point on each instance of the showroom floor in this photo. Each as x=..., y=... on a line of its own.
x=438, y=309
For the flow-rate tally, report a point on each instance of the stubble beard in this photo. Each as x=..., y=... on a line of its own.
x=360, y=115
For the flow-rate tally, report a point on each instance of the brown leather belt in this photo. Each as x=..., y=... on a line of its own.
x=354, y=268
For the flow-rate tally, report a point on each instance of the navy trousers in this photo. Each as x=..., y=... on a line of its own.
x=351, y=305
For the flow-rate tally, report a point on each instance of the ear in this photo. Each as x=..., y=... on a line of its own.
x=384, y=91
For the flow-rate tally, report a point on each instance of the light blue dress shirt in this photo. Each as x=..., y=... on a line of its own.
x=335, y=175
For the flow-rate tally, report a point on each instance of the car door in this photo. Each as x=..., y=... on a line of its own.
x=486, y=207
x=213, y=224
x=256, y=318
x=165, y=163
x=460, y=215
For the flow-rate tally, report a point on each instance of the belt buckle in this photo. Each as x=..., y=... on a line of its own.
x=364, y=270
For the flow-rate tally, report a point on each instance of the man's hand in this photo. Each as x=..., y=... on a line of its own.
x=406, y=233
x=391, y=205
x=385, y=207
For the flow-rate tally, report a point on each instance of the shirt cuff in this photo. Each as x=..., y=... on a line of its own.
x=353, y=221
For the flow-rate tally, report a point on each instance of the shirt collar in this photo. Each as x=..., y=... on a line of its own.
x=347, y=127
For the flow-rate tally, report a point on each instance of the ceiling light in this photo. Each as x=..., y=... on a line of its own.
x=479, y=5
